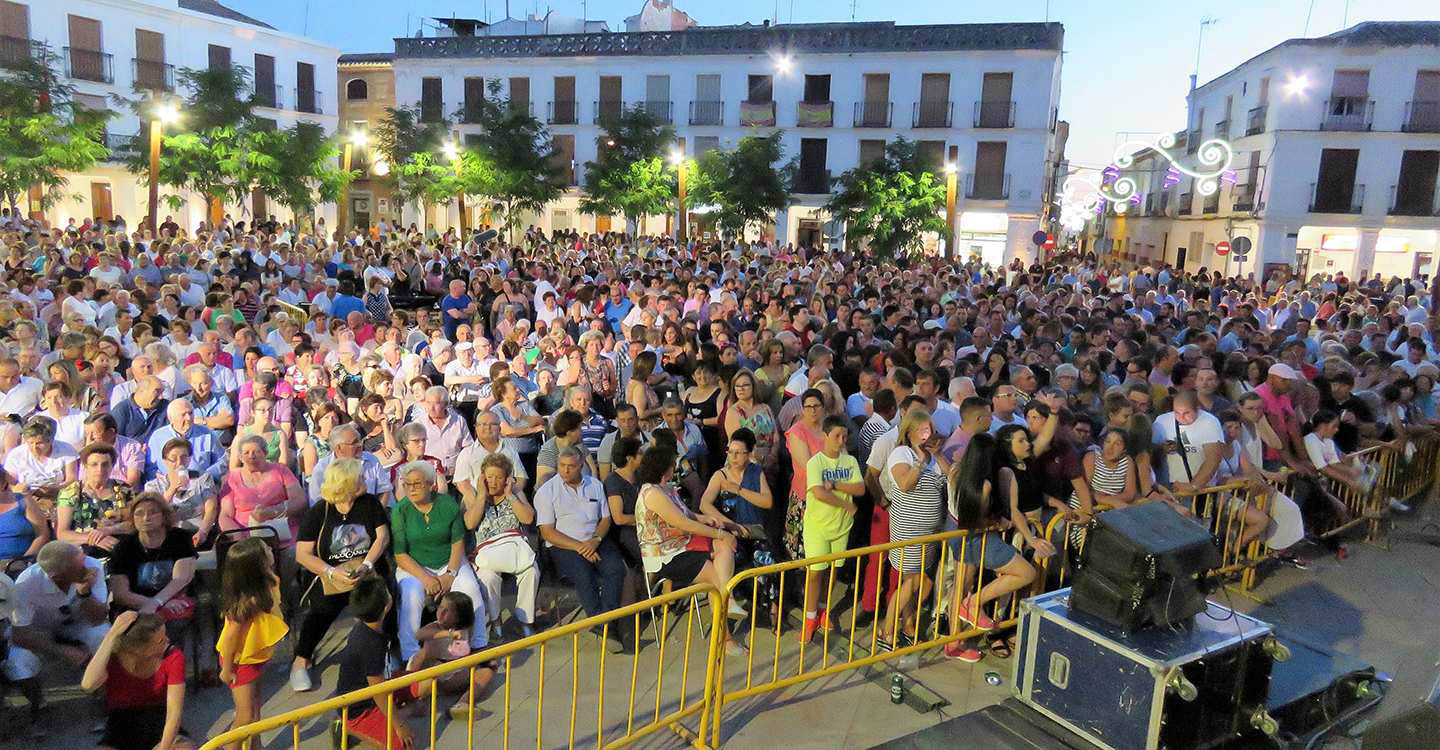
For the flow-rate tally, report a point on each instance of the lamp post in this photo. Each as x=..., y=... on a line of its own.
x=452, y=152
x=164, y=113
x=677, y=158
x=952, y=170
x=356, y=140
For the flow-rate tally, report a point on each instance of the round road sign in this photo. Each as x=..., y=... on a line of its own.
x=1038, y=238
x=1241, y=245
x=1222, y=248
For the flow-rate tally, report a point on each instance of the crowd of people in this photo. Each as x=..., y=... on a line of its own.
x=395, y=422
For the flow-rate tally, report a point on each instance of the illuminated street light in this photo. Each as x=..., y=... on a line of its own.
x=1297, y=85
x=784, y=64
x=358, y=138
x=676, y=157
x=166, y=112
x=950, y=167
x=451, y=151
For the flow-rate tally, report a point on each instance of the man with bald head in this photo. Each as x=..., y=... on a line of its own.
x=141, y=367
x=211, y=409
x=140, y=415
x=206, y=452
x=221, y=376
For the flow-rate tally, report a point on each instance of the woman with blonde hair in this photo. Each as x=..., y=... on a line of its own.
x=341, y=539
x=916, y=492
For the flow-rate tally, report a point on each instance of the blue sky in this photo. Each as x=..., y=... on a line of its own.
x=1126, y=65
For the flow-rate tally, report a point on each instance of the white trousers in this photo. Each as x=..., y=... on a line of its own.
x=413, y=601
x=509, y=555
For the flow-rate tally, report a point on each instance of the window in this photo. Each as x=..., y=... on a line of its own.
x=432, y=100
x=996, y=108
x=562, y=105
x=989, y=181
x=1334, y=190
x=705, y=143
x=474, y=90
x=760, y=89
x=1415, y=189
x=871, y=150
x=357, y=89
x=266, y=92
x=307, y=99
x=219, y=57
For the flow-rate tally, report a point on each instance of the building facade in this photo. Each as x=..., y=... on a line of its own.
x=838, y=91
x=133, y=48
x=366, y=86
x=1337, y=152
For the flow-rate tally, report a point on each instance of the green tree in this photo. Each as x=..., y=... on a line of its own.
x=410, y=145
x=892, y=202
x=744, y=184
x=513, y=161
x=44, y=133
x=305, y=170
x=628, y=177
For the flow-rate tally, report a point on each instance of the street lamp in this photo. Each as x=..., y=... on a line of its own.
x=952, y=174
x=164, y=112
x=677, y=159
x=1297, y=85
x=357, y=139
x=451, y=150
x=784, y=64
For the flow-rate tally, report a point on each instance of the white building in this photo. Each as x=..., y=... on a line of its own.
x=838, y=91
x=1337, y=150
x=125, y=47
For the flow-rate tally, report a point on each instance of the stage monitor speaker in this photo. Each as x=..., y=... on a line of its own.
x=1145, y=541
x=1141, y=565
x=486, y=236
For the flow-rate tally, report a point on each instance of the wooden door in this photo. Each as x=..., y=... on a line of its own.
x=259, y=209
x=602, y=223
x=100, y=201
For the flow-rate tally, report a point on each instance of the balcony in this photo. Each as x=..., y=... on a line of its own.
x=662, y=111
x=1421, y=117
x=1186, y=204
x=17, y=52
x=1255, y=120
x=707, y=113
x=121, y=146
x=1335, y=202
x=932, y=114
x=1211, y=204
x=89, y=65
x=811, y=182
x=152, y=75
x=814, y=114
x=309, y=100
x=757, y=114
x=268, y=95
x=987, y=189
x=1413, y=203
x=1222, y=129
x=1192, y=141
x=432, y=110
x=1242, y=198
x=872, y=114
x=1347, y=113
x=993, y=114
x=563, y=113
x=608, y=112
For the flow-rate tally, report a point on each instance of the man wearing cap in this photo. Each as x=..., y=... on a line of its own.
x=464, y=376
x=1280, y=413
x=324, y=300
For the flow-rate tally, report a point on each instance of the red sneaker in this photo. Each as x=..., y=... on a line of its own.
x=957, y=651
x=811, y=625
x=972, y=614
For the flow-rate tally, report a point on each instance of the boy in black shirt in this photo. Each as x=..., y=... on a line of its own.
x=363, y=664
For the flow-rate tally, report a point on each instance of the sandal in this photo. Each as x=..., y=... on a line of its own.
x=1002, y=648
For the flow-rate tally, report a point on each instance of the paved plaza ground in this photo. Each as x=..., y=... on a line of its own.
x=1379, y=605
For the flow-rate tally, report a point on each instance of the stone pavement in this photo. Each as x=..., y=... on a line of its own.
x=1379, y=605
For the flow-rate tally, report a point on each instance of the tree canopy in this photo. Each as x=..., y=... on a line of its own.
x=629, y=175
x=44, y=132
x=891, y=202
x=743, y=184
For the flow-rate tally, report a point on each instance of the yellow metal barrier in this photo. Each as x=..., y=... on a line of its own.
x=609, y=731
x=774, y=660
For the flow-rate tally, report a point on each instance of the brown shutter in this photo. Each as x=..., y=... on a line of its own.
x=1354, y=83
x=610, y=88
x=871, y=151
x=1427, y=85
x=305, y=76
x=85, y=33
x=877, y=87
x=989, y=167
x=996, y=87
x=149, y=46
x=219, y=57
x=935, y=87
x=564, y=88
x=933, y=154
x=520, y=93
x=14, y=20
x=264, y=72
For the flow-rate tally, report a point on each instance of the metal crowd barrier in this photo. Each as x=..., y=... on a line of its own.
x=777, y=657
x=676, y=697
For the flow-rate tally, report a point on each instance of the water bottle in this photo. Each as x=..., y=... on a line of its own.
x=897, y=689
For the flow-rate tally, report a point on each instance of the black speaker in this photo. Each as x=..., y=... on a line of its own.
x=1140, y=567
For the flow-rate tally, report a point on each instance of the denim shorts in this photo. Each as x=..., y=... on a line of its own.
x=998, y=553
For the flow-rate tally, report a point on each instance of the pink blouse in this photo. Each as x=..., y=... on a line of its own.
x=243, y=500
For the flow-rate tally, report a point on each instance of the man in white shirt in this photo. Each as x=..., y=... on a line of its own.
x=191, y=295
x=1192, y=439
x=487, y=441
x=62, y=597
x=293, y=293
x=574, y=520
x=19, y=394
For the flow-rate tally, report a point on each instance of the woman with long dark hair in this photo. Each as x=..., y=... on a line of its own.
x=973, y=508
x=1021, y=488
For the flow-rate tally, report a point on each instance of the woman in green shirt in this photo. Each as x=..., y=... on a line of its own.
x=429, y=531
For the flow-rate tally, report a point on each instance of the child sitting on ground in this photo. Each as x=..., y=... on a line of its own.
x=447, y=639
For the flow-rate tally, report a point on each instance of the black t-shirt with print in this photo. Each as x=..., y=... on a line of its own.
x=150, y=570
x=342, y=537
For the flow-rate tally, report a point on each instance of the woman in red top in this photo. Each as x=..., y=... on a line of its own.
x=144, y=680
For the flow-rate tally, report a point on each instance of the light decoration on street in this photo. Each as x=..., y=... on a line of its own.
x=1212, y=162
